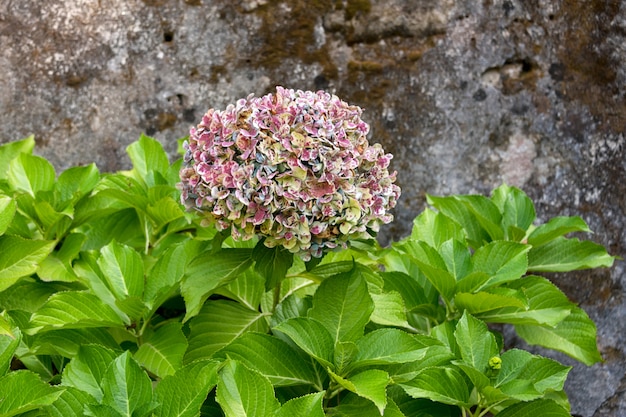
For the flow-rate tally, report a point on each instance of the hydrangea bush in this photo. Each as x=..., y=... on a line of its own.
x=294, y=167
x=115, y=301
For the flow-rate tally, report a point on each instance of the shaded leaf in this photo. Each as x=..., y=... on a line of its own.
x=162, y=352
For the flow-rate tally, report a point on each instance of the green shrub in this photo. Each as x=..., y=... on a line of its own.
x=117, y=302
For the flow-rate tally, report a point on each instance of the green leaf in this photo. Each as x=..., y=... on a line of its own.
x=27, y=295
x=31, y=174
x=435, y=228
x=543, y=408
x=461, y=213
x=476, y=343
x=76, y=182
x=562, y=255
x=210, y=271
x=66, y=342
x=444, y=384
x=503, y=261
x=19, y=258
x=517, y=209
x=526, y=377
x=343, y=355
x=354, y=405
x=486, y=214
x=164, y=211
x=271, y=263
x=311, y=336
x=416, y=290
x=147, y=155
x=243, y=392
x=248, y=289
x=182, y=394
x=546, y=304
x=342, y=303
x=57, y=266
x=74, y=309
x=556, y=227
x=122, y=267
x=10, y=338
x=71, y=403
x=86, y=370
x=387, y=346
x=433, y=266
x=12, y=150
x=272, y=357
x=457, y=257
x=308, y=405
x=494, y=299
x=575, y=336
x=122, y=226
x=219, y=323
x=162, y=352
x=370, y=384
x=23, y=391
x=389, y=310
x=8, y=206
x=163, y=279
x=126, y=387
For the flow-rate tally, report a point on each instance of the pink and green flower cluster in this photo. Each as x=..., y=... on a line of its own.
x=294, y=167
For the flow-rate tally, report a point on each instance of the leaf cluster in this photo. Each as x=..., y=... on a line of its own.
x=114, y=301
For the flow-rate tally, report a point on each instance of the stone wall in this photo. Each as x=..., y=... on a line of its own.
x=465, y=93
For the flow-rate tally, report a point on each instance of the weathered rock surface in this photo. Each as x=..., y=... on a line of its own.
x=465, y=94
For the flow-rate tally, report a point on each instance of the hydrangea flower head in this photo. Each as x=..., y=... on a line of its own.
x=294, y=167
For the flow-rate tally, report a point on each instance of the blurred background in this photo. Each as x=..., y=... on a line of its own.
x=466, y=94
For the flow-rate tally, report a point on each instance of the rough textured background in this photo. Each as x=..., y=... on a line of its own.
x=464, y=93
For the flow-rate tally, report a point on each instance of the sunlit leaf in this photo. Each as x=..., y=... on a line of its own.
x=562, y=254
x=575, y=336
x=243, y=392
x=72, y=309
x=219, y=323
x=208, y=272
x=311, y=336
x=31, y=173
x=272, y=357
x=183, y=393
x=86, y=370
x=370, y=384
x=126, y=387
x=22, y=391
x=342, y=304
x=20, y=257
